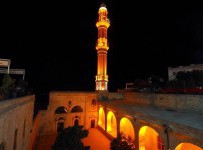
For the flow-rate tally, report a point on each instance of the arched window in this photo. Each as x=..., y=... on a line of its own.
x=61, y=110
x=76, y=109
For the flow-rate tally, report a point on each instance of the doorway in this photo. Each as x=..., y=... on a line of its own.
x=76, y=122
x=92, y=123
x=60, y=126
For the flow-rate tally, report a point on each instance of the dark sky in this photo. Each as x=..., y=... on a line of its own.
x=55, y=41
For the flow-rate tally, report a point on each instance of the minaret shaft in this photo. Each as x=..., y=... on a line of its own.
x=102, y=48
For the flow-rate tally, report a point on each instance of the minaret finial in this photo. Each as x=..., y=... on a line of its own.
x=103, y=5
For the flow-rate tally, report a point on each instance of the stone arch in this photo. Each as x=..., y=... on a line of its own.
x=187, y=146
x=76, y=120
x=60, y=124
x=127, y=128
x=60, y=117
x=76, y=109
x=111, y=124
x=61, y=110
x=101, y=121
x=149, y=139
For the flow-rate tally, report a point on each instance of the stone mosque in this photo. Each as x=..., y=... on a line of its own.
x=152, y=121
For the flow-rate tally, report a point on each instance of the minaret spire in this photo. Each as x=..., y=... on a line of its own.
x=102, y=48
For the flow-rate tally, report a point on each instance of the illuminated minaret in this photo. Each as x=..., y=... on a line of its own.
x=102, y=48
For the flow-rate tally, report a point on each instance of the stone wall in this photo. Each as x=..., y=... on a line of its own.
x=49, y=119
x=35, y=131
x=168, y=101
x=103, y=96
x=16, y=117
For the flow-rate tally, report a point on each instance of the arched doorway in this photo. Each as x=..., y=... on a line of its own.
x=92, y=123
x=126, y=127
x=149, y=139
x=60, y=124
x=60, y=117
x=111, y=124
x=187, y=146
x=101, y=121
x=76, y=114
x=76, y=122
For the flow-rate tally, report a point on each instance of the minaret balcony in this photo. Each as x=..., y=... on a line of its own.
x=102, y=47
x=105, y=23
x=101, y=77
x=102, y=44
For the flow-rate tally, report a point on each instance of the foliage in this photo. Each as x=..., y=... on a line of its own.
x=70, y=139
x=122, y=142
x=187, y=79
x=6, y=86
x=155, y=82
x=21, y=87
x=139, y=84
x=7, y=82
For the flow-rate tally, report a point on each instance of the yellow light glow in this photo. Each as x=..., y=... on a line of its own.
x=111, y=124
x=127, y=128
x=187, y=146
x=102, y=47
x=142, y=131
x=103, y=23
x=101, y=120
x=149, y=139
x=103, y=8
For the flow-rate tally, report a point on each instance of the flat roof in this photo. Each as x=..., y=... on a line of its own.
x=184, y=118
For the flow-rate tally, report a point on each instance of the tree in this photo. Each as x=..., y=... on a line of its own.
x=21, y=87
x=7, y=85
x=70, y=139
x=122, y=143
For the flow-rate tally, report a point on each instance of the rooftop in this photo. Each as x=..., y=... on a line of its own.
x=187, y=119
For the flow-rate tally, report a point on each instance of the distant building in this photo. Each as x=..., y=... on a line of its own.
x=172, y=72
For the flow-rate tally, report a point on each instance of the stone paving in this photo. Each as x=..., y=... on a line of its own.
x=96, y=140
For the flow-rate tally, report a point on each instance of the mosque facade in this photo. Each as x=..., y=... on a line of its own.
x=151, y=121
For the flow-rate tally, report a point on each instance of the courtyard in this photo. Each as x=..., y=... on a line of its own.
x=96, y=140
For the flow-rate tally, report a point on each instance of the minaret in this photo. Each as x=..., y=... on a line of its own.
x=102, y=48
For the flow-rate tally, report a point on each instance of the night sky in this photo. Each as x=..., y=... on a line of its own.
x=55, y=41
